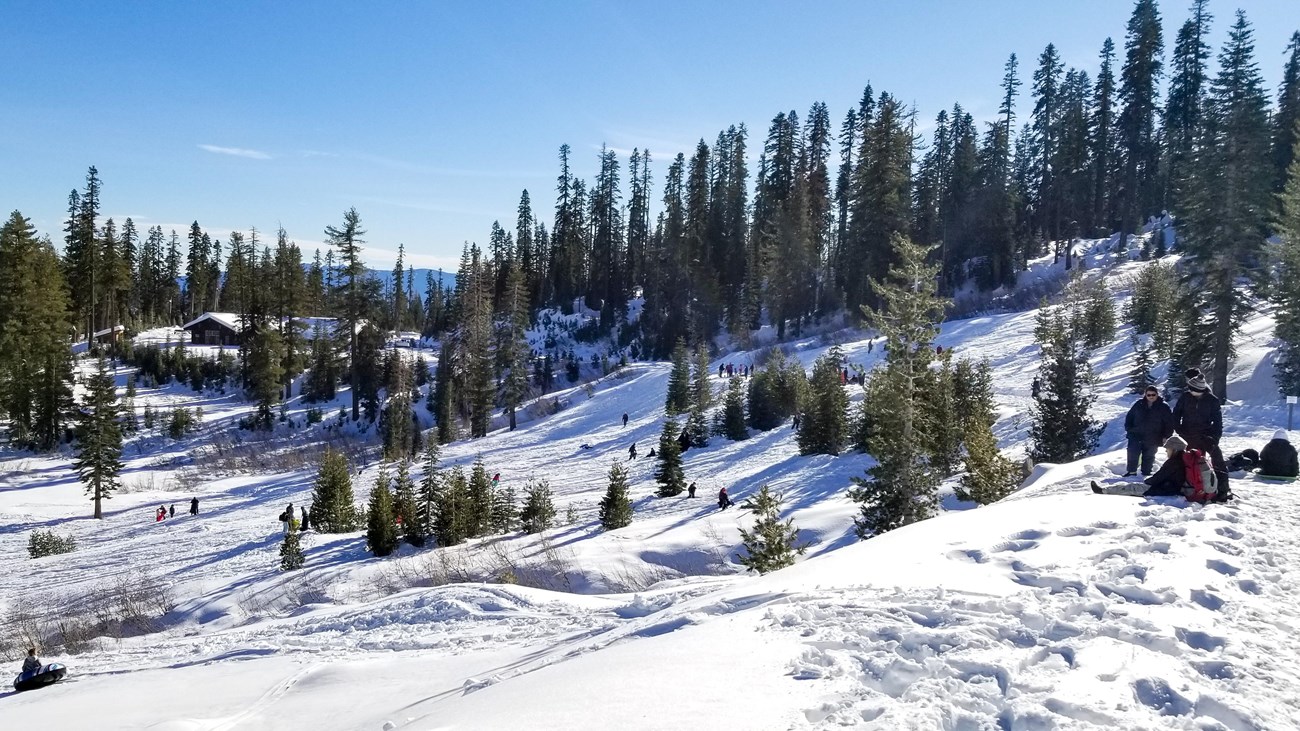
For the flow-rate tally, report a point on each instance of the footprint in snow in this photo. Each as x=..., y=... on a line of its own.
x=1198, y=640
x=1207, y=599
x=1228, y=531
x=1222, y=567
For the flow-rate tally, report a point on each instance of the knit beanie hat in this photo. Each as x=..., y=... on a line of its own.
x=1197, y=383
x=1175, y=443
x=1281, y=434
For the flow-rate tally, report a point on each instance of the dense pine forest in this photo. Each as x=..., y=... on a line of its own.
x=831, y=214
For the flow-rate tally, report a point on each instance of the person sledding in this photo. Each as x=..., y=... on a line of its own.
x=1278, y=457
x=1148, y=424
x=31, y=663
x=724, y=501
x=1186, y=472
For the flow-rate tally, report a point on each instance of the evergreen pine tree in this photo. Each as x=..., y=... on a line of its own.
x=291, y=557
x=616, y=507
x=1140, y=377
x=772, y=543
x=505, y=509
x=265, y=373
x=452, y=515
x=35, y=354
x=381, y=525
x=1139, y=148
x=1185, y=105
x=539, y=511
x=1286, y=120
x=1062, y=430
x=679, y=382
x=824, y=424
x=99, y=438
x=430, y=488
x=333, y=507
x=1226, y=224
x=1286, y=290
x=415, y=528
x=733, y=411
x=903, y=484
x=669, y=473
x=989, y=476
x=355, y=299
x=480, y=499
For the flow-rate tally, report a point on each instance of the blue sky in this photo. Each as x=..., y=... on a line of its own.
x=430, y=118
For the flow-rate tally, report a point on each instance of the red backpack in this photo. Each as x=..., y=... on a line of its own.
x=1202, y=483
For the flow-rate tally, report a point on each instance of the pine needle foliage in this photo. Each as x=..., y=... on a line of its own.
x=1286, y=289
x=669, y=475
x=381, y=524
x=989, y=476
x=903, y=485
x=333, y=506
x=823, y=427
x=616, y=506
x=771, y=543
x=733, y=412
x=679, y=382
x=1062, y=430
x=539, y=508
x=98, y=460
x=291, y=556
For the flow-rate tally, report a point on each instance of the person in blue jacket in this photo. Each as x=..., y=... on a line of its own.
x=1148, y=424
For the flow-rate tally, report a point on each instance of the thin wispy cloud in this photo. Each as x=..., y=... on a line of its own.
x=236, y=152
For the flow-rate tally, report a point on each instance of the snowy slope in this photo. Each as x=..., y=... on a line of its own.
x=1052, y=609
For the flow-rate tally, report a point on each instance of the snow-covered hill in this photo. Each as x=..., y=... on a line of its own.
x=1052, y=609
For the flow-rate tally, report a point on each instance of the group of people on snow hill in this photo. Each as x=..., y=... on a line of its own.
x=1189, y=432
x=293, y=523
x=164, y=512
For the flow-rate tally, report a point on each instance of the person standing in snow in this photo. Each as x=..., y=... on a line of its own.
x=171, y=511
x=1278, y=457
x=1198, y=419
x=162, y=513
x=624, y=420
x=631, y=452
x=690, y=490
x=302, y=524
x=194, y=506
x=1148, y=424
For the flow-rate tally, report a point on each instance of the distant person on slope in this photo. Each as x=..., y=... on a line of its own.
x=194, y=506
x=1198, y=419
x=631, y=452
x=303, y=524
x=625, y=420
x=1148, y=424
x=690, y=490
x=1278, y=457
x=31, y=664
x=724, y=501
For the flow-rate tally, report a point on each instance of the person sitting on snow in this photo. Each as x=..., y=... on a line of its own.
x=1278, y=457
x=31, y=664
x=1168, y=481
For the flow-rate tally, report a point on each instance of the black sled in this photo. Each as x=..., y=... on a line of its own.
x=47, y=675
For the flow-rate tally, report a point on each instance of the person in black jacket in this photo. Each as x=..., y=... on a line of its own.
x=1198, y=418
x=1278, y=457
x=1148, y=424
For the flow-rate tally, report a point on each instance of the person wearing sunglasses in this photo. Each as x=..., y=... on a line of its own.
x=1148, y=424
